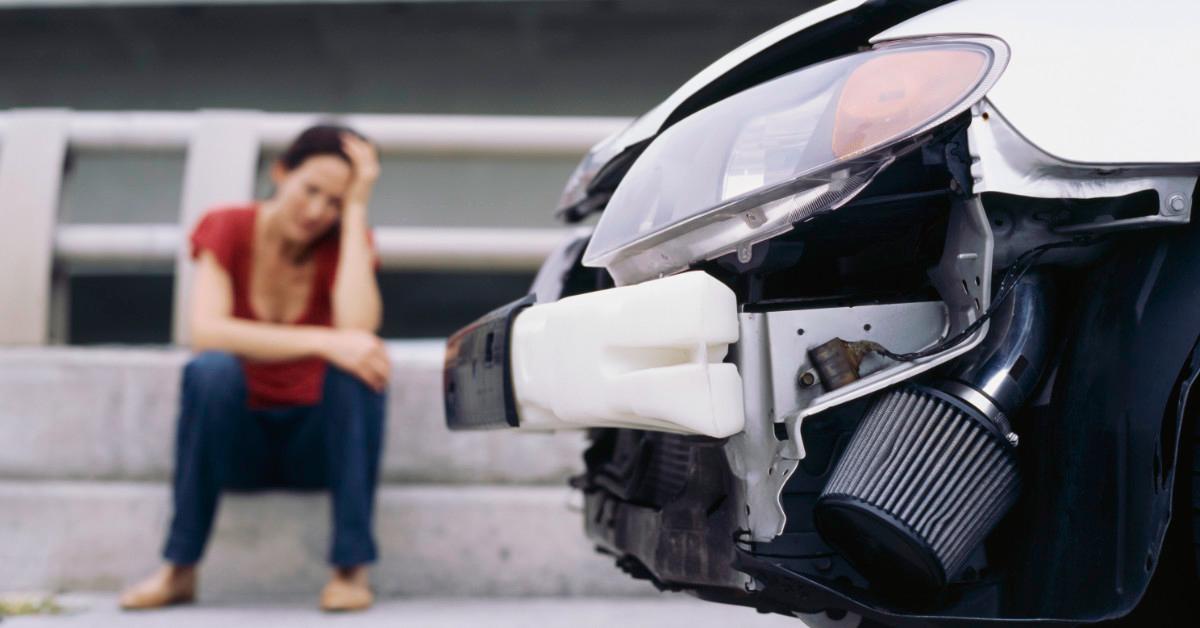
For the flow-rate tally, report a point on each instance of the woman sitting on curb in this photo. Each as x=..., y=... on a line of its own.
x=288, y=391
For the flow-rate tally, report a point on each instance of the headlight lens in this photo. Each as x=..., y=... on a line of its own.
x=576, y=190
x=749, y=167
x=893, y=94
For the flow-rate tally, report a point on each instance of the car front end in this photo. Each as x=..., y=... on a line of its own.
x=830, y=335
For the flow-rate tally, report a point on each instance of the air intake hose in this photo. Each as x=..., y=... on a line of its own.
x=999, y=376
x=932, y=468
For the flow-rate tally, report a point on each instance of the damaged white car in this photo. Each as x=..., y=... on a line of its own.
x=890, y=315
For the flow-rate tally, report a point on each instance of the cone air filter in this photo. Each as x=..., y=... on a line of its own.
x=923, y=481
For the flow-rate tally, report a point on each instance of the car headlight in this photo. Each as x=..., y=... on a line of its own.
x=576, y=188
x=575, y=194
x=749, y=167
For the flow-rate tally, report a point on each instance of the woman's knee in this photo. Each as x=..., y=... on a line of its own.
x=212, y=401
x=345, y=390
x=343, y=383
x=213, y=372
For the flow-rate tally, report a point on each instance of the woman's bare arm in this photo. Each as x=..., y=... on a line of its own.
x=356, y=300
x=213, y=327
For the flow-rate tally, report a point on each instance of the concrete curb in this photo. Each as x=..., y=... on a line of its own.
x=434, y=541
x=109, y=413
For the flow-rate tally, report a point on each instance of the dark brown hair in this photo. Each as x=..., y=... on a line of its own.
x=320, y=139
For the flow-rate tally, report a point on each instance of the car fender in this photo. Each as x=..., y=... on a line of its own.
x=1103, y=474
x=1109, y=90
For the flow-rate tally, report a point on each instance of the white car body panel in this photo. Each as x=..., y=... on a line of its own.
x=1119, y=89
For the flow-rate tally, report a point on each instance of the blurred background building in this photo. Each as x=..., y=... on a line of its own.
x=121, y=120
x=604, y=60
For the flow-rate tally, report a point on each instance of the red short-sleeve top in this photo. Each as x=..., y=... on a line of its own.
x=228, y=233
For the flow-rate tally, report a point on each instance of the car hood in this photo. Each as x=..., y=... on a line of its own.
x=1115, y=89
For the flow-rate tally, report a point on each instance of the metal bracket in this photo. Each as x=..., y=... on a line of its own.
x=763, y=462
x=1005, y=161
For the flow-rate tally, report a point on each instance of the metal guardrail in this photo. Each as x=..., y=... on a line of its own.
x=223, y=147
x=134, y=248
x=409, y=134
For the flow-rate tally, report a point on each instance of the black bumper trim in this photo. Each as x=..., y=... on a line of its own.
x=477, y=375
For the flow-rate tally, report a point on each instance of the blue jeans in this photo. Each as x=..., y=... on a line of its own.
x=221, y=444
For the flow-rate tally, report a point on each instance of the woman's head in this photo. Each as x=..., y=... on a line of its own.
x=311, y=178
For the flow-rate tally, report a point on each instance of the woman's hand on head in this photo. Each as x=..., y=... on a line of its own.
x=360, y=353
x=364, y=160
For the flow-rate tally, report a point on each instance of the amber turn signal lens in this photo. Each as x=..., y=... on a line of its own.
x=891, y=95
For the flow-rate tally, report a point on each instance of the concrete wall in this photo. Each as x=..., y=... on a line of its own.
x=86, y=441
x=109, y=414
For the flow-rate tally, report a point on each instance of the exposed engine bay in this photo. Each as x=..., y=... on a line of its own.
x=885, y=445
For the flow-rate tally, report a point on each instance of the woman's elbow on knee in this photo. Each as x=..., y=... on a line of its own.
x=358, y=323
x=213, y=370
x=201, y=337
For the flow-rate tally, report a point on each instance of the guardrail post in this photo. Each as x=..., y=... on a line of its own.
x=222, y=163
x=31, y=170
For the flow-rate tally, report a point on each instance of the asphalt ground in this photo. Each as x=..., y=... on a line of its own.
x=666, y=611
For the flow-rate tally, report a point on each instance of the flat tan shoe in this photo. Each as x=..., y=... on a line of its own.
x=347, y=590
x=169, y=585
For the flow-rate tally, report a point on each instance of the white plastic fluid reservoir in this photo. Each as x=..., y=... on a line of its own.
x=647, y=356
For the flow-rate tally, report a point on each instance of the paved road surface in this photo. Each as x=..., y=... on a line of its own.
x=668, y=611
